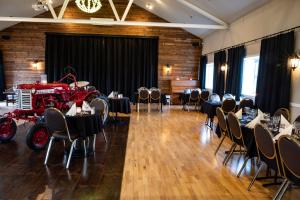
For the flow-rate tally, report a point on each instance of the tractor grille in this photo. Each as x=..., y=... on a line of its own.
x=24, y=101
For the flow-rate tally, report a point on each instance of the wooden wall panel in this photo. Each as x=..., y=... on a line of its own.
x=27, y=43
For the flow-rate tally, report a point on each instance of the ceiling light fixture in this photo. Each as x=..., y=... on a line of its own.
x=41, y=5
x=89, y=6
x=149, y=6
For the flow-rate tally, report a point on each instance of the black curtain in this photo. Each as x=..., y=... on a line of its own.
x=219, y=76
x=202, y=70
x=111, y=63
x=274, y=74
x=2, y=77
x=235, y=70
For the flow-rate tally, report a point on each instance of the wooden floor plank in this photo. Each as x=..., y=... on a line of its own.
x=170, y=155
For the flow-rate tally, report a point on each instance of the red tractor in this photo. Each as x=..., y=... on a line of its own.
x=33, y=99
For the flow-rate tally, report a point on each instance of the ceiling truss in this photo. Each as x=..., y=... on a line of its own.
x=120, y=21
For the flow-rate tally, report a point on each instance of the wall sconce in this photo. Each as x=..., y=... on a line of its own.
x=35, y=64
x=168, y=69
x=223, y=67
x=295, y=62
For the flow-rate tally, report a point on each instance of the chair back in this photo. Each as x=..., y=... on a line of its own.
x=56, y=121
x=228, y=105
x=246, y=102
x=221, y=119
x=214, y=97
x=264, y=141
x=289, y=150
x=91, y=88
x=204, y=95
x=155, y=94
x=235, y=128
x=101, y=108
x=143, y=93
x=284, y=112
x=194, y=95
x=228, y=96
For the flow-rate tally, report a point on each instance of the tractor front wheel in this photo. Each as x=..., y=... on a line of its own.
x=8, y=129
x=37, y=137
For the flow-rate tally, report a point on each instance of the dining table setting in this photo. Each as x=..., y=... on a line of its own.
x=277, y=125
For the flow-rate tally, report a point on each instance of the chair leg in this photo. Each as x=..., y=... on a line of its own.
x=229, y=154
x=48, y=150
x=94, y=142
x=138, y=107
x=221, y=142
x=280, y=190
x=283, y=190
x=243, y=167
x=149, y=108
x=84, y=147
x=104, y=135
x=70, y=153
x=254, y=178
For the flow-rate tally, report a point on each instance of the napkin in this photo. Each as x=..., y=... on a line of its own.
x=256, y=120
x=72, y=111
x=260, y=113
x=111, y=95
x=239, y=114
x=286, y=131
x=284, y=121
x=86, y=107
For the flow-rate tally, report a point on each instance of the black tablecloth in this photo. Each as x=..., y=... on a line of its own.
x=163, y=98
x=84, y=125
x=120, y=105
x=209, y=107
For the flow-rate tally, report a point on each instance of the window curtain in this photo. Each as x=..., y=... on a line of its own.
x=202, y=71
x=2, y=77
x=219, y=76
x=235, y=70
x=110, y=63
x=274, y=74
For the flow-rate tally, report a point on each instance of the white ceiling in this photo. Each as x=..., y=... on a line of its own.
x=170, y=10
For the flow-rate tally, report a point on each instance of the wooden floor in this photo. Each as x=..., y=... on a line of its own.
x=23, y=176
x=170, y=155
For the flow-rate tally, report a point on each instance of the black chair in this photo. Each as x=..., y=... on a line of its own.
x=143, y=97
x=228, y=105
x=223, y=127
x=246, y=102
x=284, y=112
x=203, y=97
x=289, y=151
x=155, y=96
x=101, y=108
x=194, y=99
x=58, y=128
x=266, y=151
x=214, y=97
x=227, y=96
x=237, y=136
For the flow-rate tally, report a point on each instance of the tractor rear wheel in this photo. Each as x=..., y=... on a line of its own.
x=37, y=137
x=8, y=129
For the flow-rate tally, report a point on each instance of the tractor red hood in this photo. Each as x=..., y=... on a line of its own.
x=39, y=86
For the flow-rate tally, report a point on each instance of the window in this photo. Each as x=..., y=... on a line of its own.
x=250, y=71
x=209, y=76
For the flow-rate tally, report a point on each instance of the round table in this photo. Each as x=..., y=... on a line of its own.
x=120, y=105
